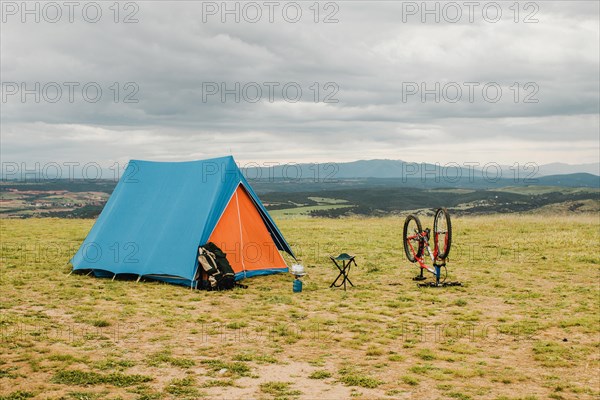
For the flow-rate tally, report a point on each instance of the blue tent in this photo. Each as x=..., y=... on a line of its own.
x=160, y=212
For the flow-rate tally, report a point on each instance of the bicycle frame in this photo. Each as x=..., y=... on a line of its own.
x=424, y=237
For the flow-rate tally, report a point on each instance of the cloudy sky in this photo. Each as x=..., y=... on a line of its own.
x=300, y=81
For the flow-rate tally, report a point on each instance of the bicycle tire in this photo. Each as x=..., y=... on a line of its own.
x=405, y=234
x=442, y=215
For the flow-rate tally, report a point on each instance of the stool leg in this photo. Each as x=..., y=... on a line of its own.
x=339, y=275
x=348, y=275
x=336, y=279
x=345, y=276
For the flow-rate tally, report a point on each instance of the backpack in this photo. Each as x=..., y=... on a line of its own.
x=216, y=267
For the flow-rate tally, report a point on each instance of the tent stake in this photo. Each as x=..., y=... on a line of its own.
x=114, y=276
x=88, y=274
x=139, y=277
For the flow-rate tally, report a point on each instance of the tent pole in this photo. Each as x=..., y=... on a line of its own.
x=88, y=274
x=194, y=278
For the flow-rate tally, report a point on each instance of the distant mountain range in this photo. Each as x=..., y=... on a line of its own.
x=528, y=173
x=560, y=169
x=404, y=172
x=371, y=187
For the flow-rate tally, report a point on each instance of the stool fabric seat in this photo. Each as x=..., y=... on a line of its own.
x=344, y=257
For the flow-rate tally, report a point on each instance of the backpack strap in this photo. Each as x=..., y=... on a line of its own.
x=209, y=264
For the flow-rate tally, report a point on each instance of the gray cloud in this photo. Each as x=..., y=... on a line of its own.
x=370, y=54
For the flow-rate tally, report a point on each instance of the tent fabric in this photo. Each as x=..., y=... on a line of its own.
x=160, y=212
x=243, y=236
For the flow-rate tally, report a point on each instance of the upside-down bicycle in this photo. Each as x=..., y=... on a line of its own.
x=417, y=245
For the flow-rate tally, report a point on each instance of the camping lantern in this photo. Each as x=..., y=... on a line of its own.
x=298, y=271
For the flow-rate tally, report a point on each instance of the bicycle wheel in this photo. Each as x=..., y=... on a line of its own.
x=442, y=232
x=413, y=245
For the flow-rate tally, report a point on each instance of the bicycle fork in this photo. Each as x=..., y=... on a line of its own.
x=437, y=268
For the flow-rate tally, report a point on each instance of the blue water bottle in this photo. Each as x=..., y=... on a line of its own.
x=298, y=272
x=297, y=286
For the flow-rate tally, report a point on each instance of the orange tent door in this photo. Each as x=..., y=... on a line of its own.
x=243, y=236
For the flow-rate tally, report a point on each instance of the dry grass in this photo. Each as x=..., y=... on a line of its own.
x=523, y=326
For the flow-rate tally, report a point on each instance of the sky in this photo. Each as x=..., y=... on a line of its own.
x=304, y=81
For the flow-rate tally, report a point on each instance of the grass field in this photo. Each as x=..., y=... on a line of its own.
x=525, y=324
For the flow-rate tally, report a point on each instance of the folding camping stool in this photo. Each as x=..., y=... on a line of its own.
x=346, y=260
